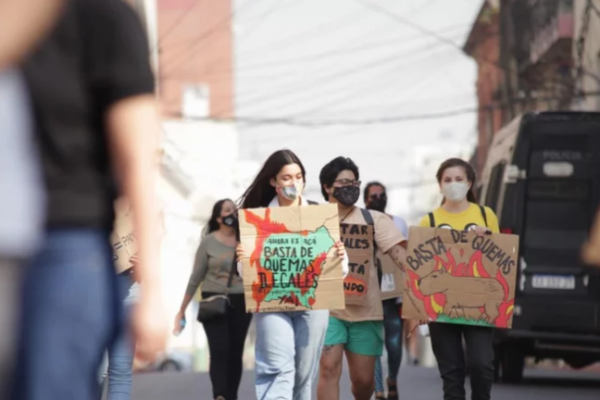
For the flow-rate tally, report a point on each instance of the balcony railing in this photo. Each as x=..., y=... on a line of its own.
x=552, y=30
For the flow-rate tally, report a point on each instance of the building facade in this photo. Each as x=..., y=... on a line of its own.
x=529, y=59
x=483, y=45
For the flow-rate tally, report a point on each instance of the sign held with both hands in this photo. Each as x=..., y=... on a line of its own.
x=459, y=277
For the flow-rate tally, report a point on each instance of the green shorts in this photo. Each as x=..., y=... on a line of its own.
x=364, y=337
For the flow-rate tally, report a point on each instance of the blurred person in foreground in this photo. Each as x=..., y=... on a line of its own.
x=375, y=198
x=91, y=87
x=21, y=208
x=23, y=22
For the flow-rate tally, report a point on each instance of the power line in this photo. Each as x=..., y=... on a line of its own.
x=333, y=77
x=326, y=54
x=176, y=24
x=387, y=83
x=276, y=6
x=205, y=36
x=302, y=35
x=404, y=21
x=372, y=121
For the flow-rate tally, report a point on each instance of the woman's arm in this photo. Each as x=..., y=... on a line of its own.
x=398, y=254
x=197, y=276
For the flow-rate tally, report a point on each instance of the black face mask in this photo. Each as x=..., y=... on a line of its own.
x=378, y=203
x=347, y=195
x=231, y=221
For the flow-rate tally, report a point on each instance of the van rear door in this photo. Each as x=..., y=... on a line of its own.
x=562, y=193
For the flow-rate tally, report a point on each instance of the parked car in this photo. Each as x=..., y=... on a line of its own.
x=542, y=180
x=171, y=361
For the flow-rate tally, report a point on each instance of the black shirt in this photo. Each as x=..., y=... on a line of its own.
x=96, y=56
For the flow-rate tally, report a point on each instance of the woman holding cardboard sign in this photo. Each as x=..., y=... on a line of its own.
x=288, y=344
x=214, y=268
x=460, y=211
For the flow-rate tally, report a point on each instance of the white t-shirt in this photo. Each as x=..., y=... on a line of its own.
x=275, y=203
x=22, y=194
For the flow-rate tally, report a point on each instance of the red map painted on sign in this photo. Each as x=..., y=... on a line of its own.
x=288, y=263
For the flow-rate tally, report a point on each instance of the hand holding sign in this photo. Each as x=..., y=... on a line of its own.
x=482, y=230
x=239, y=252
x=341, y=250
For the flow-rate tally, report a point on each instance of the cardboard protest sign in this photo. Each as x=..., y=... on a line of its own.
x=458, y=277
x=392, y=278
x=591, y=249
x=292, y=261
x=123, y=238
x=358, y=241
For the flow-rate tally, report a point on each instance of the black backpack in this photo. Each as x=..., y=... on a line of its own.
x=368, y=217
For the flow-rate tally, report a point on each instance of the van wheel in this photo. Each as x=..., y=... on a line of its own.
x=170, y=366
x=512, y=363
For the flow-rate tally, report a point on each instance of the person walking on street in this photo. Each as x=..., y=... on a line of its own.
x=214, y=268
x=288, y=344
x=356, y=331
x=375, y=198
x=92, y=90
x=460, y=211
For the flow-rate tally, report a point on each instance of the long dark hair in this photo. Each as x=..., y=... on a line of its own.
x=213, y=224
x=260, y=193
x=469, y=171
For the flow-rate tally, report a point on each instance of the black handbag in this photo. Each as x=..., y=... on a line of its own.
x=216, y=306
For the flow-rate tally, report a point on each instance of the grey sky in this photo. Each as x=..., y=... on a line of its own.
x=338, y=60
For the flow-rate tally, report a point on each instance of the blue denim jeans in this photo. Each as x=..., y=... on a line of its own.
x=121, y=353
x=70, y=314
x=392, y=325
x=288, y=349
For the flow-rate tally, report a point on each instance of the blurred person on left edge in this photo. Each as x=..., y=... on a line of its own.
x=24, y=23
x=92, y=87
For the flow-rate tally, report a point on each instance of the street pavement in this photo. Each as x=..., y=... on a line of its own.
x=416, y=383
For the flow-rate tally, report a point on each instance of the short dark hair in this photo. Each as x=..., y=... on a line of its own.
x=330, y=172
x=369, y=186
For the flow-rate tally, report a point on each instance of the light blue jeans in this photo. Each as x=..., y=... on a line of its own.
x=288, y=350
x=121, y=353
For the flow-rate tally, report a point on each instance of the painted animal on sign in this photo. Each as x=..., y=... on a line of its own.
x=483, y=293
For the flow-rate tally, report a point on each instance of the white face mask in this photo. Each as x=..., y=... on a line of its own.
x=455, y=191
x=292, y=192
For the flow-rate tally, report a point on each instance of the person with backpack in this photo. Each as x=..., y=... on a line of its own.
x=459, y=210
x=288, y=344
x=375, y=198
x=214, y=268
x=356, y=331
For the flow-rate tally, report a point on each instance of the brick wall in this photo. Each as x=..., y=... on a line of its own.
x=196, y=46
